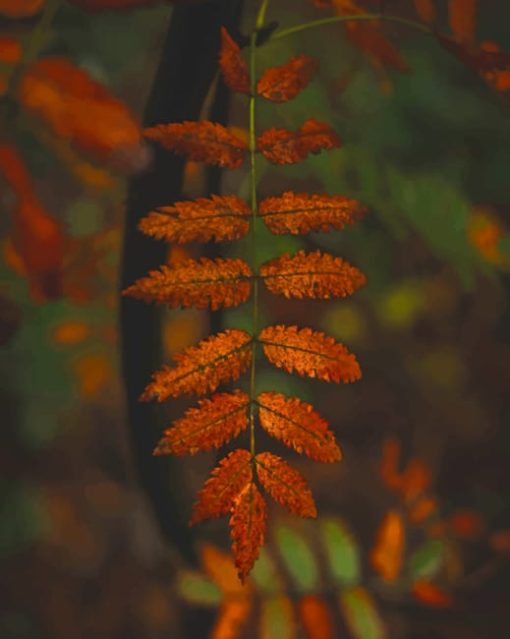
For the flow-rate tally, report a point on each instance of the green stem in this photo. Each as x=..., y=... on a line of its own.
x=365, y=17
x=34, y=44
x=259, y=22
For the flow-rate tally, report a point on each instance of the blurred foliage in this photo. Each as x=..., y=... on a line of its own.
x=428, y=151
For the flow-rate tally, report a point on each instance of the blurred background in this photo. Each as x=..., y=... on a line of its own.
x=413, y=535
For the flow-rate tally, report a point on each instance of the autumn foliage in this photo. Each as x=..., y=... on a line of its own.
x=235, y=485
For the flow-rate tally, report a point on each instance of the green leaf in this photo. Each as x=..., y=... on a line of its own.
x=277, y=619
x=361, y=614
x=341, y=551
x=265, y=574
x=298, y=558
x=198, y=590
x=427, y=560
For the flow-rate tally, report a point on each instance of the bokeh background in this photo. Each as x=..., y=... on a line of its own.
x=426, y=147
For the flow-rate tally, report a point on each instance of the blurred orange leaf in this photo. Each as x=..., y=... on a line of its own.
x=388, y=553
x=70, y=332
x=76, y=107
x=426, y=10
x=462, y=16
x=10, y=54
x=20, y=8
x=489, y=61
x=369, y=38
x=499, y=541
x=421, y=510
x=220, y=568
x=37, y=237
x=431, y=595
x=94, y=373
x=316, y=618
x=467, y=524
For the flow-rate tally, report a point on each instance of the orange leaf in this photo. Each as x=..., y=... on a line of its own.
x=467, y=524
x=78, y=108
x=37, y=238
x=202, y=368
x=368, y=38
x=201, y=141
x=415, y=479
x=431, y=595
x=227, y=480
x=219, y=567
x=316, y=618
x=313, y=275
x=280, y=146
x=389, y=465
x=233, y=65
x=199, y=283
x=70, y=333
x=492, y=64
x=216, y=421
x=301, y=213
x=499, y=541
x=280, y=84
x=10, y=53
x=232, y=617
x=387, y=555
x=215, y=218
x=247, y=528
x=297, y=425
x=310, y=353
x=285, y=485
x=462, y=16
x=426, y=10
x=422, y=509
x=20, y=8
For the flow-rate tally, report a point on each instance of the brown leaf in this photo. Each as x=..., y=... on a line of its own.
x=297, y=425
x=232, y=64
x=247, y=528
x=216, y=421
x=201, y=141
x=202, y=368
x=199, y=283
x=314, y=275
x=301, y=213
x=462, y=16
x=285, y=485
x=216, y=218
x=280, y=84
x=227, y=480
x=309, y=353
x=280, y=146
